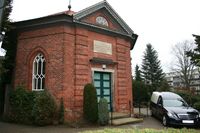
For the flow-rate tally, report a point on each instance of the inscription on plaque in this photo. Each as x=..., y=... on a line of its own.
x=102, y=47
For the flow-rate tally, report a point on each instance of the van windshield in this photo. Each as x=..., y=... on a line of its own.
x=174, y=103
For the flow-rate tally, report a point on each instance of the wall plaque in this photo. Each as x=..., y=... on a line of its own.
x=102, y=47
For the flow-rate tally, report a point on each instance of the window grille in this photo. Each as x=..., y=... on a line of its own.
x=38, y=79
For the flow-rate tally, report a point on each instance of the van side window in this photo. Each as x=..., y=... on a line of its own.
x=159, y=100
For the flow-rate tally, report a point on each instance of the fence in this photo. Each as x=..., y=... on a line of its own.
x=142, y=110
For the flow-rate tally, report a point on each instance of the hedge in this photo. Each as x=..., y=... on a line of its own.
x=90, y=105
x=44, y=109
x=28, y=107
x=21, y=105
x=103, y=112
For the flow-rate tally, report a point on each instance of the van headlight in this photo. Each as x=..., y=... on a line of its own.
x=171, y=115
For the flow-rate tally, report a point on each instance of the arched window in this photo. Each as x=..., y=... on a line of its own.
x=38, y=79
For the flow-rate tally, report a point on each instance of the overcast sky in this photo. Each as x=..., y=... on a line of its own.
x=163, y=23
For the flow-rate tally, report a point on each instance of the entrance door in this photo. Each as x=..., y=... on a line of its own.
x=102, y=83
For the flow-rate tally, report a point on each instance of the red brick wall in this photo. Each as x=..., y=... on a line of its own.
x=57, y=45
x=67, y=51
x=122, y=75
x=124, y=78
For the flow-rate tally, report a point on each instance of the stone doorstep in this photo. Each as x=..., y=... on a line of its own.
x=117, y=115
x=124, y=121
x=123, y=118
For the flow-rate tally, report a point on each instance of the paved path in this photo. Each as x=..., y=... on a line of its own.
x=16, y=128
x=143, y=111
x=149, y=122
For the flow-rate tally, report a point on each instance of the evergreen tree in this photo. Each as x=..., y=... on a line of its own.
x=137, y=73
x=140, y=94
x=152, y=72
x=90, y=104
x=8, y=43
x=195, y=53
x=164, y=86
x=6, y=23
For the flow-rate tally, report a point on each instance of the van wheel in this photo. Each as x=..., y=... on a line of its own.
x=164, y=121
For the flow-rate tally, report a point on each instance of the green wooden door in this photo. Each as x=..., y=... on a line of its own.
x=102, y=83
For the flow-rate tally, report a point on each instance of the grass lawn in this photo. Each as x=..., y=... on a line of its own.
x=169, y=130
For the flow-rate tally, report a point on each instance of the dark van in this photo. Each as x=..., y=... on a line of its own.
x=173, y=110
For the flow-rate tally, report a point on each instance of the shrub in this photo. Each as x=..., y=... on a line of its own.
x=61, y=114
x=90, y=105
x=185, y=96
x=189, y=98
x=44, y=109
x=197, y=106
x=195, y=99
x=29, y=107
x=21, y=104
x=140, y=92
x=103, y=112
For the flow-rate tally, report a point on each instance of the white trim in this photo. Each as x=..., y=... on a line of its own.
x=103, y=70
x=112, y=82
x=38, y=76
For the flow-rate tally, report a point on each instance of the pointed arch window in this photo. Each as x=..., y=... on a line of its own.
x=38, y=79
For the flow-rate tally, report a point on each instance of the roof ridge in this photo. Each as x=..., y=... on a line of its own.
x=90, y=7
x=103, y=4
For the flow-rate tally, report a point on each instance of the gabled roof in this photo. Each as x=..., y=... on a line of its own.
x=103, y=4
x=71, y=17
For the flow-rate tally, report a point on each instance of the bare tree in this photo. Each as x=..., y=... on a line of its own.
x=182, y=66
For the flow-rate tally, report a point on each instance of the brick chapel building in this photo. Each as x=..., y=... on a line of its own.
x=65, y=51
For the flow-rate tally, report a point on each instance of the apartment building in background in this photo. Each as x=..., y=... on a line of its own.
x=175, y=81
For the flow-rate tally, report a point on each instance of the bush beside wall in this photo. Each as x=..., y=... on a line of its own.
x=103, y=112
x=44, y=109
x=21, y=105
x=90, y=105
x=29, y=107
